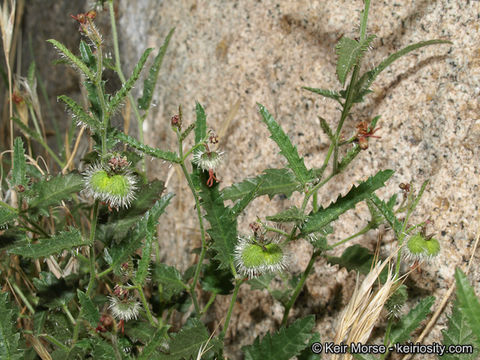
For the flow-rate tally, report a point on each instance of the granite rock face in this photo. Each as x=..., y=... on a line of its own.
x=229, y=55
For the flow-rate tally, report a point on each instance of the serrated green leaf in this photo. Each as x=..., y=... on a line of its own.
x=354, y=257
x=307, y=353
x=6, y=215
x=223, y=225
x=140, y=331
x=215, y=280
x=187, y=131
x=186, y=343
x=87, y=56
x=78, y=114
x=102, y=350
x=326, y=128
x=72, y=59
x=51, y=192
x=327, y=93
x=286, y=148
x=89, y=310
x=26, y=130
x=170, y=282
x=247, y=199
x=364, y=83
x=407, y=324
x=200, y=124
x=292, y=214
x=261, y=282
x=151, y=80
x=19, y=163
x=9, y=334
x=272, y=182
x=458, y=332
x=128, y=85
x=134, y=239
x=349, y=54
x=144, y=263
x=157, y=340
x=316, y=221
x=65, y=240
x=468, y=303
x=388, y=214
x=283, y=345
x=349, y=156
x=157, y=153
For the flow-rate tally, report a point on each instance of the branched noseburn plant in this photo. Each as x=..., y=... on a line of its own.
x=99, y=291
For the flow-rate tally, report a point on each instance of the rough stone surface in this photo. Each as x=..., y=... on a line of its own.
x=230, y=55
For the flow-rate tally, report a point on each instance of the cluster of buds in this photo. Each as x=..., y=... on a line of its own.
x=363, y=133
x=123, y=305
x=87, y=26
x=209, y=158
x=113, y=184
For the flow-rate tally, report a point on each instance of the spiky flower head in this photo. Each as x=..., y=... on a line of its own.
x=116, y=189
x=254, y=258
x=206, y=159
x=396, y=301
x=420, y=247
x=124, y=307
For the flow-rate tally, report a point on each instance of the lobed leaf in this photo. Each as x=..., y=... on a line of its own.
x=468, y=303
x=318, y=220
x=283, y=345
x=89, y=310
x=79, y=114
x=387, y=211
x=200, y=124
x=64, y=240
x=272, y=182
x=327, y=93
x=157, y=340
x=223, y=225
x=19, y=164
x=458, y=332
x=170, y=282
x=72, y=59
x=286, y=148
x=407, y=324
x=292, y=214
x=369, y=77
x=9, y=334
x=186, y=343
x=87, y=56
x=53, y=191
x=151, y=80
x=349, y=156
x=247, y=199
x=307, y=353
x=350, y=52
x=148, y=150
x=128, y=85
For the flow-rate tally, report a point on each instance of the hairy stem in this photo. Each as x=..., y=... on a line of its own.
x=238, y=283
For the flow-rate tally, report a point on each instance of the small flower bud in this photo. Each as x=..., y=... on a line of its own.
x=254, y=259
x=420, y=247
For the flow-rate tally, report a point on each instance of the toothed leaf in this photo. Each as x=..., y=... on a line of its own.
x=169, y=281
x=9, y=334
x=327, y=93
x=468, y=303
x=157, y=153
x=292, y=214
x=283, y=345
x=349, y=54
x=89, y=310
x=19, y=163
x=128, y=85
x=79, y=114
x=407, y=324
x=64, y=240
x=286, y=148
x=151, y=80
x=316, y=221
x=200, y=124
x=272, y=182
x=72, y=59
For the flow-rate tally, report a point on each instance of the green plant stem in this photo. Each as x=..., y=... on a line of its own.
x=278, y=231
x=361, y=232
x=145, y=306
x=106, y=272
x=386, y=340
x=299, y=287
x=6, y=206
x=91, y=281
x=69, y=314
x=238, y=283
x=210, y=302
x=23, y=297
x=54, y=341
x=200, y=221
